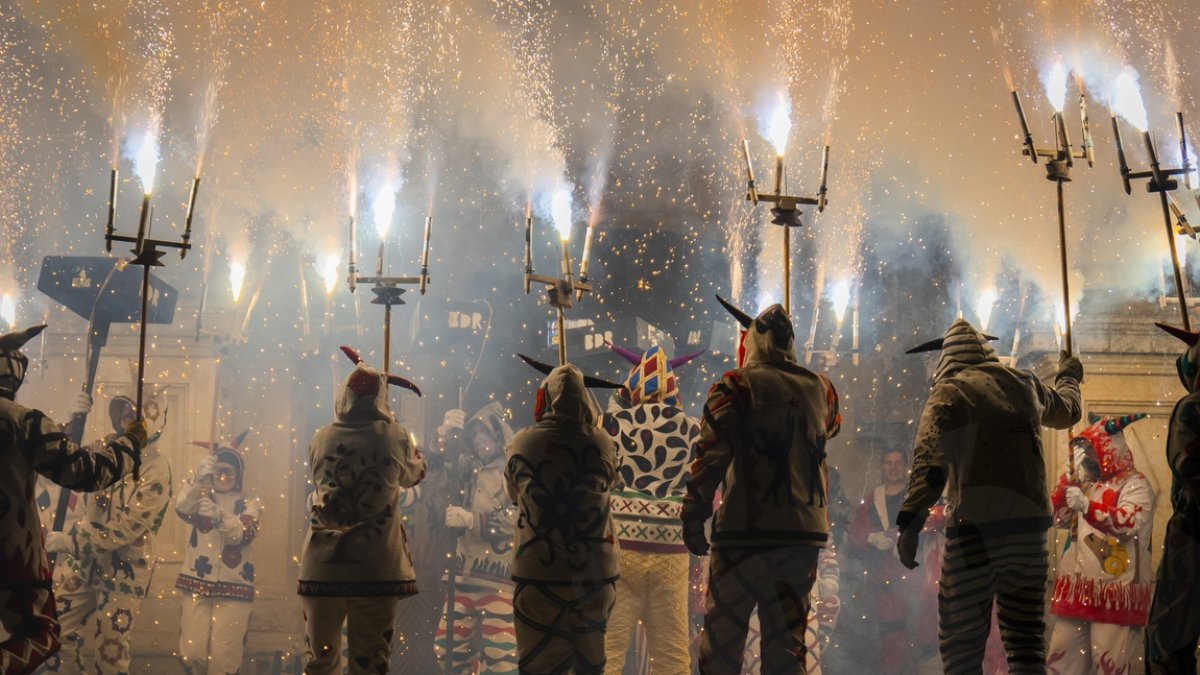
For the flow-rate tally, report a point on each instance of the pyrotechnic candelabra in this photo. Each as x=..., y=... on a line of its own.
x=1060, y=161
x=388, y=289
x=145, y=249
x=786, y=211
x=1162, y=181
x=559, y=290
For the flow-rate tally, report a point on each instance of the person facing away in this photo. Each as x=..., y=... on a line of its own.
x=32, y=445
x=355, y=565
x=559, y=472
x=980, y=438
x=1173, y=625
x=762, y=437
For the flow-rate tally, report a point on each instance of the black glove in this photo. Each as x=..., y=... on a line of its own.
x=1069, y=366
x=694, y=538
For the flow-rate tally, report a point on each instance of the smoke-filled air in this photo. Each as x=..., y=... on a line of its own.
x=295, y=259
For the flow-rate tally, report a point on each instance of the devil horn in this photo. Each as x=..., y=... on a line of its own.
x=1187, y=336
x=203, y=444
x=352, y=354
x=1117, y=425
x=236, y=443
x=742, y=317
x=680, y=360
x=543, y=368
x=931, y=346
x=401, y=382
x=13, y=341
x=629, y=356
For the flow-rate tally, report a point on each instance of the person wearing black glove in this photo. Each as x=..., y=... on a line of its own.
x=762, y=439
x=979, y=436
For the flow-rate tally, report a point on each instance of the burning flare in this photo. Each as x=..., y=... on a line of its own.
x=1055, y=82
x=8, y=310
x=779, y=124
x=329, y=271
x=237, y=275
x=560, y=211
x=984, y=305
x=145, y=164
x=383, y=207
x=840, y=297
x=1127, y=99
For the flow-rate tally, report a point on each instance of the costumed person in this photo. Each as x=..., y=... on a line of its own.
x=979, y=436
x=654, y=437
x=1173, y=625
x=901, y=601
x=1102, y=593
x=108, y=556
x=355, y=566
x=217, y=578
x=484, y=518
x=31, y=444
x=560, y=472
x=763, y=438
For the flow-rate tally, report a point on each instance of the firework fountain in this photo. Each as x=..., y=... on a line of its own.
x=1059, y=162
x=560, y=289
x=1130, y=106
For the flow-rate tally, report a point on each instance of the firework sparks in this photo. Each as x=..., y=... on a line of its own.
x=778, y=124
x=560, y=212
x=1127, y=99
x=1055, y=82
x=237, y=278
x=839, y=296
x=383, y=207
x=145, y=163
x=984, y=305
x=8, y=311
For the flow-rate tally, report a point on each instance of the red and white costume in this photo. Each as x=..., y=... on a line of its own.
x=1102, y=593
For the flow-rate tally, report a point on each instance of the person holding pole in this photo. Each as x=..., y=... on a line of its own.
x=34, y=445
x=762, y=436
x=107, y=557
x=980, y=437
x=217, y=578
x=479, y=606
x=355, y=566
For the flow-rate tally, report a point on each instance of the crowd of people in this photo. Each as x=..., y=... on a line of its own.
x=584, y=542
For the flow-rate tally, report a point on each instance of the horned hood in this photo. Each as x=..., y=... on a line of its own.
x=492, y=418
x=769, y=338
x=962, y=347
x=363, y=397
x=562, y=397
x=1106, y=438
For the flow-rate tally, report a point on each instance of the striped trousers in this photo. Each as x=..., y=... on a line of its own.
x=1009, y=570
x=483, y=631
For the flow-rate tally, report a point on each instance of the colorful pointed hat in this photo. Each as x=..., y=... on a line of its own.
x=1106, y=437
x=653, y=374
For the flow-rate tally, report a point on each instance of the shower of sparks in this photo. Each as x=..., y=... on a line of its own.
x=1055, y=82
x=1127, y=99
x=8, y=311
x=329, y=271
x=839, y=296
x=145, y=163
x=560, y=212
x=237, y=277
x=778, y=124
x=984, y=305
x=382, y=209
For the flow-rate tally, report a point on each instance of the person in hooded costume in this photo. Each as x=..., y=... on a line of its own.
x=217, y=578
x=980, y=436
x=655, y=441
x=560, y=472
x=763, y=438
x=32, y=445
x=1173, y=624
x=1102, y=593
x=355, y=565
x=482, y=603
x=108, y=556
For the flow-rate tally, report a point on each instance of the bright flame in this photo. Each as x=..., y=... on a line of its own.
x=145, y=164
x=1181, y=241
x=329, y=271
x=984, y=305
x=840, y=297
x=1127, y=99
x=8, y=310
x=383, y=207
x=1055, y=82
x=560, y=211
x=237, y=275
x=779, y=124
